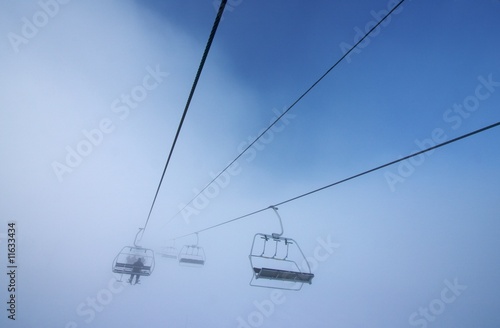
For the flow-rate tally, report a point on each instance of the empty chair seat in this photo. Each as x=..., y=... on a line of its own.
x=293, y=276
x=192, y=261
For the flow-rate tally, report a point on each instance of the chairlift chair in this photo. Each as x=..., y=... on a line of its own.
x=169, y=252
x=192, y=255
x=124, y=261
x=276, y=262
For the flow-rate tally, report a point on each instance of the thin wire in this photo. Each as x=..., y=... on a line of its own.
x=289, y=108
x=222, y=223
x=198, y=73
x=349, y=178
x=393, y=162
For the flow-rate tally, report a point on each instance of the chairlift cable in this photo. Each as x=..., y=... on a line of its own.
x=289, y=108
x=393, y=162
x=198, y=74
x=222, y=223
x=491, y=126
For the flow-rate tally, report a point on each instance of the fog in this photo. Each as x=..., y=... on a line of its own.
x=92, y=93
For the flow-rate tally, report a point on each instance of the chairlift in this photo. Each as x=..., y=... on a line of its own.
x=192, y=255
x=275, y=261
x=170, y=251
x=124, y=262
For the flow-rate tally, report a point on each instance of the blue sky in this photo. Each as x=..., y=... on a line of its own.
x=418, y=235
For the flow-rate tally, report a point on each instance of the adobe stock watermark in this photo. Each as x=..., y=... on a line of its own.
x=202, y=200
x=459, y=112
x=437, y=306
x=230, y=5
x=30, y=27
x=89, y=309
x=263, y=309
x=266, y=308
x=454, y=117
x=377, y=16
x=121, y=106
